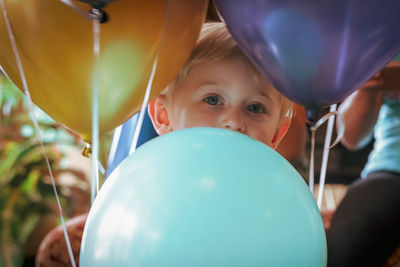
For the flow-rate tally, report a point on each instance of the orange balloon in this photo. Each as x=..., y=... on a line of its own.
x=56, y=49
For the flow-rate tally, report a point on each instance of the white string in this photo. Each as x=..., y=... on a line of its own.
x=32, y=114
x=311, y=167
x=313, y=128
x=143, y=109
x=114, y=144
x=325, y=155
x=95, y=107
x=148, y=88
x=101, y=167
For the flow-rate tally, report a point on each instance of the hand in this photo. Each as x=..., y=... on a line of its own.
x=386, y=80
x=391, y=76
x=327, y=215
x=375, y=84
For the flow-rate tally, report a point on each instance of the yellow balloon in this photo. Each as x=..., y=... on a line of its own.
x=56, y=49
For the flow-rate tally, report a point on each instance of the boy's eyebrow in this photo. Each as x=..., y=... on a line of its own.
x=266, y=95
x=208, y=82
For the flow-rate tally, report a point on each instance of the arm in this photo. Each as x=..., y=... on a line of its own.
x=359, y=112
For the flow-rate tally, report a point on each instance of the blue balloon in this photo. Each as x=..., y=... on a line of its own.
x=204, y=197
x=315, y=52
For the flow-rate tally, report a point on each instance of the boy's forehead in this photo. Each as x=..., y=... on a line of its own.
x=221, y=70
x=231, y=69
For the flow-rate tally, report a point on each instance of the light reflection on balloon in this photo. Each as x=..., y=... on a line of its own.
x=284, y=26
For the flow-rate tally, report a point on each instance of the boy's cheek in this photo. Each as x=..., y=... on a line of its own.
x=198, y=119
x=263, y=132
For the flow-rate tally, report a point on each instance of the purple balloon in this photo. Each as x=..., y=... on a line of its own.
x=315, y=52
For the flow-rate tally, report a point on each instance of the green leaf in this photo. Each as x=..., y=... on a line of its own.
x=8, y=158
x=29, y=224
x=29, y=185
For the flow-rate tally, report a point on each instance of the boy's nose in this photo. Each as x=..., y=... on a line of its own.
x=234, y=121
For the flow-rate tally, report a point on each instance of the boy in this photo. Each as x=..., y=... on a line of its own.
x=219, y=87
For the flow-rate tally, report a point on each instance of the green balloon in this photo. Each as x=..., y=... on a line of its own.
x=204, y=197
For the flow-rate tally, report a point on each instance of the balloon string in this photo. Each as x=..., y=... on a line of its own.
x=143, y=108
x=325, y=155
x=329, y=116
x=311, y=167
x=101, y=167
x=148, y=88
x=77, y=9
x=95, y=106
x=114, y=145
x=36, y=125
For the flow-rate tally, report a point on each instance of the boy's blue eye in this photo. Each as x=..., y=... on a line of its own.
x=256, y=108
x=212, y=100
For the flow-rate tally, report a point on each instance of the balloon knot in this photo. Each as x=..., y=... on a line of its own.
x=99, y=14
x=87, y=151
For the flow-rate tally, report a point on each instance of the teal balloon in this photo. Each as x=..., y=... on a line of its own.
x=204, y=197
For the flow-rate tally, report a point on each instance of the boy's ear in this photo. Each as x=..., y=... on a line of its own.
x=281, y=131
x=159, y=115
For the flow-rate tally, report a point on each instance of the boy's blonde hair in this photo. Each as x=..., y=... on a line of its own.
x=216, y=44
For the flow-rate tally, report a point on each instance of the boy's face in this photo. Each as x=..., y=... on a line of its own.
x=222, y=94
